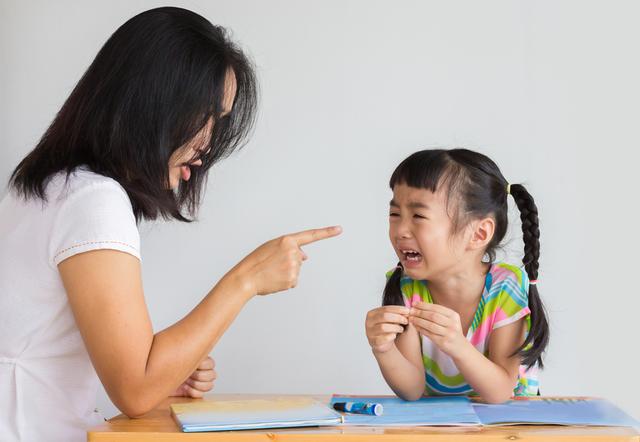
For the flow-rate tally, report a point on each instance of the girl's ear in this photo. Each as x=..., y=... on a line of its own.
x=482, y=231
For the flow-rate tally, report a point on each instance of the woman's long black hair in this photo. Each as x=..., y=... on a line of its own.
x=154, y=85
x=481, y=190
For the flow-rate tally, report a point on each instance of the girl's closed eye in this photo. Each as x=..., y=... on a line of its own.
x=417, y=215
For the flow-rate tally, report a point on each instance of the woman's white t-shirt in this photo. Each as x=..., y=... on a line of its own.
x=47, y=383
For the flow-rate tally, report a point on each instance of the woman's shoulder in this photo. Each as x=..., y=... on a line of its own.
x=81, y=181
x=92, y=212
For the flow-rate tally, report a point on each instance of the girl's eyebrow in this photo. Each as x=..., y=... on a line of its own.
x=417, y=205
x=411, y=205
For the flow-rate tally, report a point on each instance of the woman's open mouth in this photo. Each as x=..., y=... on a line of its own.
x=185, y=172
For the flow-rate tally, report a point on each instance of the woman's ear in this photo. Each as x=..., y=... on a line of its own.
x=482, y=231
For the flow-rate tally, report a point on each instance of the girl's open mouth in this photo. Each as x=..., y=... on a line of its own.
x=411, y=256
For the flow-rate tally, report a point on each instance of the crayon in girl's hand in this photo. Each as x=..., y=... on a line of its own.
x=359, y=408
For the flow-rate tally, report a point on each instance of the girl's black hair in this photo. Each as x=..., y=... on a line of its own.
x=154, y=85
x=480, y=190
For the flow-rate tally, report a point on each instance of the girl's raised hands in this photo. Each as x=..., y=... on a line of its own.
x=383, y=324
x=440, y=324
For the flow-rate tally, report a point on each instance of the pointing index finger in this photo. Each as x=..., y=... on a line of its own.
x=308, y=236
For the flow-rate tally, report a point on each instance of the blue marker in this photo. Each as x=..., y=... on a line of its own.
x=359, y=408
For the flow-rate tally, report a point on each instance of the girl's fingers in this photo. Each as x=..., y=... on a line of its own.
x=425, y=333
x=429, y=326
x=391, y=318
x=428, y=307
x=391, y=328
x=397, y=309
x=435, y=317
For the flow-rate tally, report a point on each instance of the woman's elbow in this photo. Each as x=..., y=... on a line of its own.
x=133, y=409
x=133, y=405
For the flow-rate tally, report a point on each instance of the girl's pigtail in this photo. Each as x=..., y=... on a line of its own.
x=538, y=336
x=392, y=294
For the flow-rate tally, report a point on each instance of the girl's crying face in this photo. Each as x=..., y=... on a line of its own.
x=421, y=232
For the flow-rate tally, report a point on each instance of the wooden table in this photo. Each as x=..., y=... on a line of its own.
x=158, y=425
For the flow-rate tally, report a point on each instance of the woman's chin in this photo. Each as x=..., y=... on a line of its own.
x=173, y=183
x=174, y=178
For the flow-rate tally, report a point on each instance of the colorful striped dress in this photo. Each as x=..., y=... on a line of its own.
x=504, y=300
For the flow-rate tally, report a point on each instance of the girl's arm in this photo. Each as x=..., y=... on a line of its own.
x=397, y=352
x=139, y=368
x=493, y=378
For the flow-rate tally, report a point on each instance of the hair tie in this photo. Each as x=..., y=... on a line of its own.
x=508, y=189
x=533, y=282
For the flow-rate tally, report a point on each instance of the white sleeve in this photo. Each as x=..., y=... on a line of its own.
x=98, y=216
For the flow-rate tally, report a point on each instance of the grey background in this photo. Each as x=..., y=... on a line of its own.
x=548, y=89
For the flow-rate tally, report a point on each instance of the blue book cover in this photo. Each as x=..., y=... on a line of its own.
x=224, y=415
x=555, y=411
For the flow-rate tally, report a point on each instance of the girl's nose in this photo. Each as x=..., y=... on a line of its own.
x=404, y=231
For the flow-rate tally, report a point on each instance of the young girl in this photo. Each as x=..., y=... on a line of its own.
x=451, y=321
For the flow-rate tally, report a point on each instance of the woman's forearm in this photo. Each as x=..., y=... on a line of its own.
x=176, y=351
x=139, y=368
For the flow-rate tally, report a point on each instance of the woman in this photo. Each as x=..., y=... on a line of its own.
x=166, y=97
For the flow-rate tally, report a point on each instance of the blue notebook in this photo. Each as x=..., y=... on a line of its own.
x=461, y=411
x=432, y=411
x=223, y=415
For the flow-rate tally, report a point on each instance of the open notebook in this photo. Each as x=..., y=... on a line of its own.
x=461, y=411
x=223, y=415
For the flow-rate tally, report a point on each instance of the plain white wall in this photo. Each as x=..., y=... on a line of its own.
x=549, y=89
